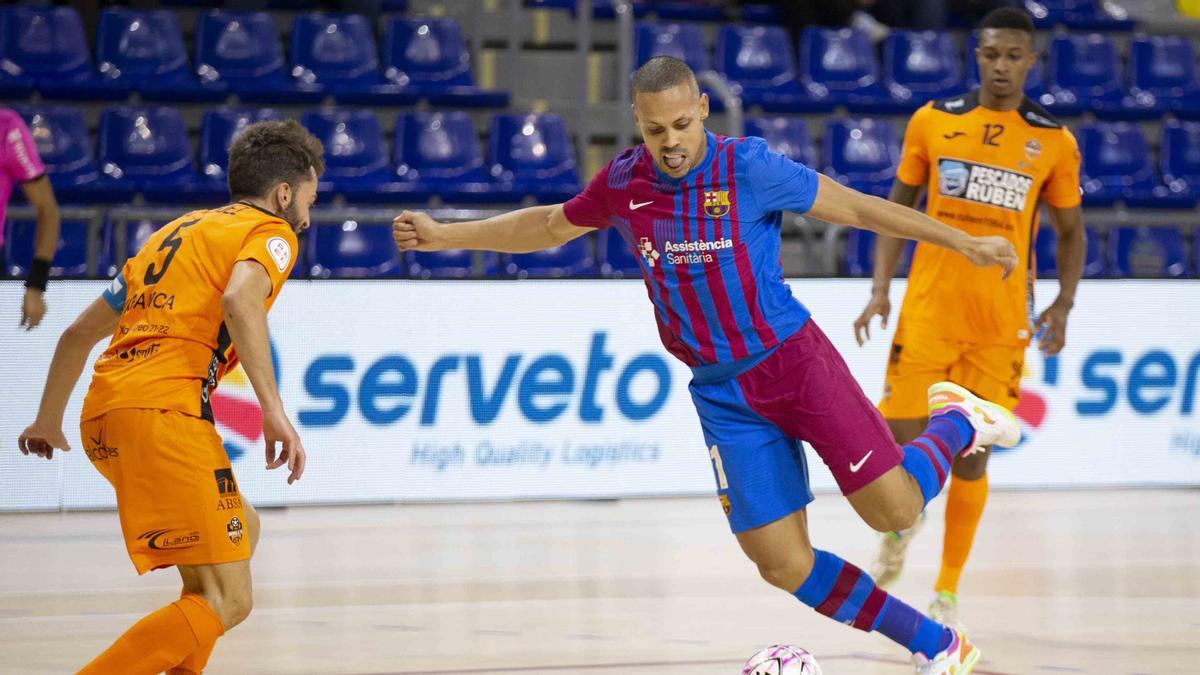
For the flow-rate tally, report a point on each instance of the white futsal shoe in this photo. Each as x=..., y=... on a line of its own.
x=958, y=659
x=889, y=561
x=994, y=424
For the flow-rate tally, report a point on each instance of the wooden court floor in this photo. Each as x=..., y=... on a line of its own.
x=1060, y=582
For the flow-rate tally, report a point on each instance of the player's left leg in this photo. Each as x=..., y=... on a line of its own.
x=806, y=389
x=197, y=660
x=179, y=506
x=993, y=372
x=762, y=481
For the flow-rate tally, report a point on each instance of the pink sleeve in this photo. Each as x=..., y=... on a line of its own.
x=590, y=207
x=20, y=161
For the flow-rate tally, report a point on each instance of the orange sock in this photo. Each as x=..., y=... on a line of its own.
x=964, y=508
x=195, y=662
x=161, y=640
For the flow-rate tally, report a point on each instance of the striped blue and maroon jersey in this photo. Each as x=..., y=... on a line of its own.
x=708, y=245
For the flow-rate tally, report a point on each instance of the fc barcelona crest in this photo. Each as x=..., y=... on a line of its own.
x=716, y=203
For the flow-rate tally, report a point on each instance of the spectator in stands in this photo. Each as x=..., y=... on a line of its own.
x=870, y=16
x=19, y=163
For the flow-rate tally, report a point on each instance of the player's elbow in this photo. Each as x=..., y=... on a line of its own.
x=235, y=302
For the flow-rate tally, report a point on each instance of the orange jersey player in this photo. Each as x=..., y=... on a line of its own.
x=181, y=313
x=989, y=160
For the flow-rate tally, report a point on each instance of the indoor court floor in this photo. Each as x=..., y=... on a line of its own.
x=1059, y=582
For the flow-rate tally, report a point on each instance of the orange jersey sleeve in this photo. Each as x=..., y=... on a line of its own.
x=914, y=158
x=1062, y=187
x=171, y=348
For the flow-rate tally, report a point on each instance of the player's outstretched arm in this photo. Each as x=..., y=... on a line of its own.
x=246, y=318
x=521, y=231
x=95, y=323
x=836, y=203
x=887, y=258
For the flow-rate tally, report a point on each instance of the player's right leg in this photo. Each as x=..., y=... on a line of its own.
x=889, y=561
x=179, y=506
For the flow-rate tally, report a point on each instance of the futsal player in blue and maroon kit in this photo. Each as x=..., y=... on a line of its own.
x=703, y=214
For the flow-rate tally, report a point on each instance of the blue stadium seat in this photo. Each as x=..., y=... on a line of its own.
x=601, y=9
x=438, y=153
x=861, y=153
x=758, y=61
x=1165, y=67
x=113, y=254
x=1148, y=252
x=337, y=51
x=1086, y=74
x=920, y=67
x=451, y=264
x=785, y=135
x=1117, y=167
x=1179, y=156
x=532, y=155
x=839, y=67
x=70, y=258
x=859, y=257
x=353, y=250
x=1075, y=14
x=218, y=131
x=761, y=14
x=143, y=51
x=356, y=161
x=66, y=151
x=1046, y=252
x=429, y=58
x=572, y=259
x=1035, y=79
x=617, y=261
x=241, y=52
x=149, y=146
x=682, y=41
x=682, y=10
x=47, y=48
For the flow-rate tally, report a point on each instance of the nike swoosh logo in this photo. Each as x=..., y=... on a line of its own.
x=635, y=207
x=954, y=135
x=854, y=467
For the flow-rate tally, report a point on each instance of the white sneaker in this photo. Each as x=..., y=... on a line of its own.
x=994, y=424
x=958, y=659
x=889, y=562
x=944, y=609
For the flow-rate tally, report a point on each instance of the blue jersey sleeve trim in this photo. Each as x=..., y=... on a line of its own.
x=114, y=295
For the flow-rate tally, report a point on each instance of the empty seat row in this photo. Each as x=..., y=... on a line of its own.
x=365, y=250
x=45, y=48
x=1117, y=162
x=840, y=67
x=348, y=250
x=1079, y=14
x=670, y=10
x=1130, y=252
x=146, y=150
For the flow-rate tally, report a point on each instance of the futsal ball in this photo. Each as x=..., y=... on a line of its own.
x=782, y=660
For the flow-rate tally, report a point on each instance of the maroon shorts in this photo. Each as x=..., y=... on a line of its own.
x=753, y=424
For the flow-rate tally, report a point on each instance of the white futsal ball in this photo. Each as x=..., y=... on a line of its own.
x=782, y=660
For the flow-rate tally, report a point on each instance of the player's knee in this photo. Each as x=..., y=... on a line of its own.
x=234, y=609
x=899, y=516
x=787, y=573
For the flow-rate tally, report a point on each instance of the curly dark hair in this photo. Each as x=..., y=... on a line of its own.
x=269, y=153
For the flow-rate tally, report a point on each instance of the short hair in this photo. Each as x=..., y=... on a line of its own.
x=661, y=73
x=269, y=153
x=1010, y=18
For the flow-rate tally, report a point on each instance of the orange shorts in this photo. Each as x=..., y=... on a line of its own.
x=176, y=495
x=920, y=358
